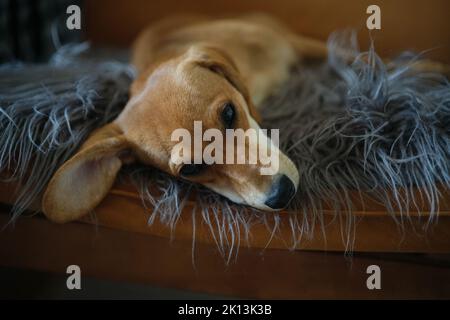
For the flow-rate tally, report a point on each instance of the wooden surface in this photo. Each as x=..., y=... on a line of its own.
x=375, y=230
x=119, y=245
x=405, y=24
x=134, y=257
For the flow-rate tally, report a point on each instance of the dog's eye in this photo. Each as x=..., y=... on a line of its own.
x=228, y=115
x=191, y=169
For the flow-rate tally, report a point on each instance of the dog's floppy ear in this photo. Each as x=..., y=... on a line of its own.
x=218, y=61
x=83, y=181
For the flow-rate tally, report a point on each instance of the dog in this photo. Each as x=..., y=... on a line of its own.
x=190, y=68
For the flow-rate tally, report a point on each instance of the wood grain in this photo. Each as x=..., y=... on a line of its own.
x=375, y=230
x=134, y=257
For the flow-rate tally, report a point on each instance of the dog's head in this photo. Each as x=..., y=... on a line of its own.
x=201, y=85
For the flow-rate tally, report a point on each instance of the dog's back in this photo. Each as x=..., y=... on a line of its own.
x=257, y=44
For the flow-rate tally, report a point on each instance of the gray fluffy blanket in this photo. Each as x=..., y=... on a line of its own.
x=367, y=126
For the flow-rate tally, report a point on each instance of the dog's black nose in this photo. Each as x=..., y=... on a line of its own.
x=280, y=193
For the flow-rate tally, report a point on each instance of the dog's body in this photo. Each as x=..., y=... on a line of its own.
x=192, y=69
x=262, y=49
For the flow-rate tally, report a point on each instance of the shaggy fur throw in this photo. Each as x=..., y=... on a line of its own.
x=367, y=126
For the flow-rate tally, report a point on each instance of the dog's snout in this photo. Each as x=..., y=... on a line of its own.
x=280, y=193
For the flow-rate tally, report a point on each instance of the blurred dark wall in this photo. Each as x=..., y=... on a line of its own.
x=30, y=30
x=26, y=25
x=406, y=24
